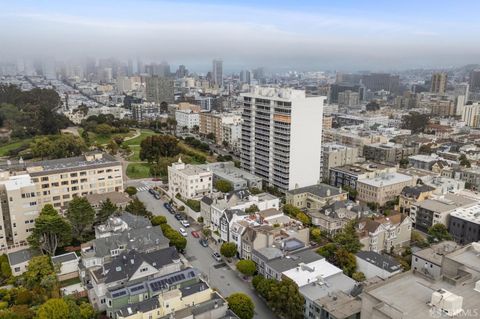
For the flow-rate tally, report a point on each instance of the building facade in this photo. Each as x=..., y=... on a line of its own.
x=282, y=136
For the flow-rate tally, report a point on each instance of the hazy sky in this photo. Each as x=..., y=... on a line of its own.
x=333, y=34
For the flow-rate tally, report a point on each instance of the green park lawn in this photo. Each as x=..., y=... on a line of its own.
x=137, y=140
x=4, y=149
x=138, y=170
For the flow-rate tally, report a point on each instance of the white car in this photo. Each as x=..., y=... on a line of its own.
x=183, y=232
x=185, y=223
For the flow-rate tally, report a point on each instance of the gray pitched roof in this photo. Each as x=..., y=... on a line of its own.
x=291, y=261
x=126, y=264
x=382, y=261
x=63, y=258
x=140, y=239
x=320, y=190
x=207, y=200
x=21, y=256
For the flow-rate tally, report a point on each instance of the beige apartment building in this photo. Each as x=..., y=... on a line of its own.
x=383, y=188
x=211, y=123
x=27, y=187
x=189, y=181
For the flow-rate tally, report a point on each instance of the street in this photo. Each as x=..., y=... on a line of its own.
x=219, y=275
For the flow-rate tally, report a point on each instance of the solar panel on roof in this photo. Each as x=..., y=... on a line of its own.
x=119, y=294
x=137, y=288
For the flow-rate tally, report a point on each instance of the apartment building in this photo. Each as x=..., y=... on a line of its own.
x=412, y=194
x=237, y=177
x=159, y=90
x=348, y=175
x=383, y=188
x=354, y=137
x=190, y=181
x=211, y=123
x=436, y=210
x=282, y=136
x=27, y=187
x=388, y=152
x=464, y=224
x=334, y=155
x=187, y=118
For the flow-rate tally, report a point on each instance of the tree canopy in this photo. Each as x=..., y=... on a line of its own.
x=223, y=186
x=107, y=209
x=57, y=146
x=416, y=122
x=438, y=232
x=228, y=249
x=81, y=215
x=137, y=207
x=246, y=267
x=242, y=305
x=51, y=231
x=154, y=147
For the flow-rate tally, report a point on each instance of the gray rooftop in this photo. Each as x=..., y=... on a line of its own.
x=292, y=260
x=446, y=203
x=320, y=190
x=382, y=261
x=64, y=258
x=21, y=256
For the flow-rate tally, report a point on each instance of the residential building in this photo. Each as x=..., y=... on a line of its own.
x=337, y=305
x=118, y=199
x=159, y=90
x=464, y=224
x=19, y=259
x=232, y=135
x=413, y=194
x=346, y=176
x=277, y=124
x=428, y=262
x=414, y=296
x=471, y=176
x=237, y=177
x=383, y=188
x=373, y=264
x=388, y=152
x=439, y=83
x=120, y=223
x=66, y=266
x=353, y=137
x=211, y=123
x=385, y=233
x=348, y=98
x=334, y=155
x=315, y=196
x=26, y=187
x=190, y=181
x=421, y=161
x=187, y=118
x=381, y=81
x=332, y=218
x=436, y=210
x=145, y=111
x=217, y=72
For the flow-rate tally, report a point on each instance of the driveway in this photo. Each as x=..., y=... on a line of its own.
x=217, y=274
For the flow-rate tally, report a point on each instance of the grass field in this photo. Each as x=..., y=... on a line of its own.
x=138, y=170
x=104, y=139
x=188, y=149
x=13, y=145
x=137, y=140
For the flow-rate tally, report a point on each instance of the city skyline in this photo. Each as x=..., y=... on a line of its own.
x=287, y=35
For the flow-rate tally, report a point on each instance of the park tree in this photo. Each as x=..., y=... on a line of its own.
x=416, y=122
x=154, y=147
x=290, y=210
x=228, y=249
x=223, y=186
x=438, y=232
x=57, y=146
x=287, y=299
x=81, y=215
x=242, y=305
x=176, y=239
x=107, y=209
x=112, y=147
x=246, y=267
x=464, y=161
x=51, y=231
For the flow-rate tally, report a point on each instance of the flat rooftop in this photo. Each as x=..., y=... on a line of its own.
x=471, y=214
x=386, y=179
x=445, y=203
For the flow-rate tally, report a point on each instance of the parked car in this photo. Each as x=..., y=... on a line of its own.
x=183, y=232
x=185, y=223
x=217, y=257
x=178, y=216
x=195, y=234
x=157, y=195
x=151, y=191
x=203, y=242
x=167, y=206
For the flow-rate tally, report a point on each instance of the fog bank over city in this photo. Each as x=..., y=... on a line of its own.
x=279, y=36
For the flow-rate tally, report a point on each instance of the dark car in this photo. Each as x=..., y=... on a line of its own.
x=178, y=216
x=167, y=206
x=203, y=242
x=156, y=195
x=151, y=191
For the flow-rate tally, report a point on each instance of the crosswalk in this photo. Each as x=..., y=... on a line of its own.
x=143, y=189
